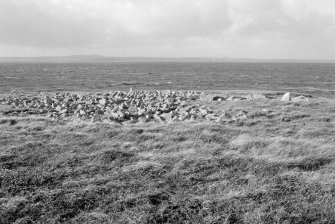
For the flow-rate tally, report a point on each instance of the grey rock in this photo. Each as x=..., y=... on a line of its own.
x=103, y=102
x=223, y=118
x=166, y=116
x=203, y=111
x=142, y=120
x=58, y=108
x=158, y=118
x=96, y=118
x=211, y=117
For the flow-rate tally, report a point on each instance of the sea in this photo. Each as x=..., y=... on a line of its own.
x=309, y=78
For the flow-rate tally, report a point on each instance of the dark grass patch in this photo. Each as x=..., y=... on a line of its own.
x=136, y=131
x=293, y=116
x=121, y=157
x=145, y=137
x=6, y=158
x=319, y=132
x=187, y=211
x=12, y=122
x=14, y=182
x=112, y=133
x=214, y=137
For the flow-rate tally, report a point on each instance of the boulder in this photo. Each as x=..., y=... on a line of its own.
x=158, y=118
x=65, y=115
x=96, y=118
x=193, y=117
x=167, y=116
x=203, y=111
x=184, y=116
x=103, y=102
x=141, y=112
x=121, y=114
x=149, y=116
x=142, y=120
x=58, y=108
x=63, y=111
x=99, y=111
x=242, y=115
x=113, y=115
x=132, y=109
x=286, y=97
x=223, y=118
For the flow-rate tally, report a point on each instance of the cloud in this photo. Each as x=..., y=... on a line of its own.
x=39, y=23
x=241, y=28
x=287, y=18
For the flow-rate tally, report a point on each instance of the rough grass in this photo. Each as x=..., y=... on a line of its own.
x=266, y=169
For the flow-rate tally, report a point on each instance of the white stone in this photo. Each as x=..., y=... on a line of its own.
x=286, y=97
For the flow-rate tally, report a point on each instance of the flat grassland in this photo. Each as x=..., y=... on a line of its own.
x=278, y=168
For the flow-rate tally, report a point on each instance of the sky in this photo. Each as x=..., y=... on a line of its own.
x=263, y=29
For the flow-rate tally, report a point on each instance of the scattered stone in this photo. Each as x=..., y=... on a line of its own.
x=233, y=98
x=300, y=98
x=259, y=96
x=218, y=98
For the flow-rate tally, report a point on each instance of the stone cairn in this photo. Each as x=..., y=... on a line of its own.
x=117, y=106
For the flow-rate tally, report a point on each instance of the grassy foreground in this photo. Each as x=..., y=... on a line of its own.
x=278, y=168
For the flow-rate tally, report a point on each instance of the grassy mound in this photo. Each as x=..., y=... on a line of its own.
x=265, y=169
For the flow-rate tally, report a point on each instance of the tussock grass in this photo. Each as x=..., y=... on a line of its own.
x=271, y=171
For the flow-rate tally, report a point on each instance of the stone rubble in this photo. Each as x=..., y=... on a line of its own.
x=118, y=106
x=131, y=107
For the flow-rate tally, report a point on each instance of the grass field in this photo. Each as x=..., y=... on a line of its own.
x=277, y=167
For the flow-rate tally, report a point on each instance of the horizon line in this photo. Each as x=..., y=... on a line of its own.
x=97, y=56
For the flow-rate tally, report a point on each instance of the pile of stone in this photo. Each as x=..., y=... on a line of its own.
x=130, y=107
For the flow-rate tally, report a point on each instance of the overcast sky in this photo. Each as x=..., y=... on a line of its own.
x=290, y=29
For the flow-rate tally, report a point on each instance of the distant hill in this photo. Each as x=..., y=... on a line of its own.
x=104, y=59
